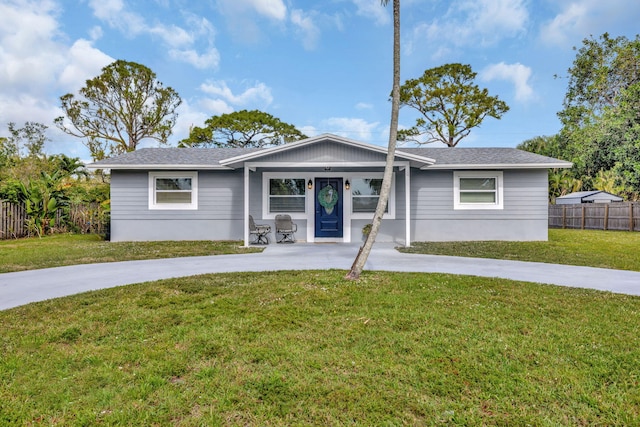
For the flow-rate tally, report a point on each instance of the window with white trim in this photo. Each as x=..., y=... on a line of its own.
x=173, y=190
x=287, y=195
x=365, y=193
x=477, y=190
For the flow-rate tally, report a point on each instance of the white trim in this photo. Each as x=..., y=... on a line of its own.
x=368, y=215
x=497, y=175
x=153, y=175
x=267, y=176
x=407, y=206
x=246, y=205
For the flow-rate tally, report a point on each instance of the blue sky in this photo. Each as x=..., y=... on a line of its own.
x=323, y=66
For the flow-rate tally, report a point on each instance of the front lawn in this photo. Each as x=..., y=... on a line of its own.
x=594, y=248
x=70, y=249
x=309, y=348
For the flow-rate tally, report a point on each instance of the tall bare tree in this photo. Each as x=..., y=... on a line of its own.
x=119, y=108
x=365, y=250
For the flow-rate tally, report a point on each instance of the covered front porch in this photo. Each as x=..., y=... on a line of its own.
x=330, y=187
x=330, y=202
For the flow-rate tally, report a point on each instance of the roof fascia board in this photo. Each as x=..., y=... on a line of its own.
x=146, y=166
x=501, y=166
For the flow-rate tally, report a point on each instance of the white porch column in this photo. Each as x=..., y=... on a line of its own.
x=407, y=202
x=246, y=205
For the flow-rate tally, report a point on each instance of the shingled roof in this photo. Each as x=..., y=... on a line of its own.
x=458, y=157
x=445, y=158
x=174, y=158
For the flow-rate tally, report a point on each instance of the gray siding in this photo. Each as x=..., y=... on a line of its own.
x=220, y=209
x=524, y=216
x=326, y=152
x=218, y=217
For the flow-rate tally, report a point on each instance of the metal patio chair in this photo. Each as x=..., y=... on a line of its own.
x=285, y=228
x=259, y=232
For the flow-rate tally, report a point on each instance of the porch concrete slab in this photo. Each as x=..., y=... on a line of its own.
x=37, y=285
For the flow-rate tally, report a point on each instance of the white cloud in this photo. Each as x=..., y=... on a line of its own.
x=578, y=19
x=243, y=17
x=37, y=66
x=31, y=25
x=353, y=128
x=364, y=106
x=517, y=74
x=180, y=42
x=273, y=9
x=84, y=62
x=258, y=94
x=95, y=33
x=564, y=25
x=306, y=27
x=215, y=107
x=373, y=10
x=205, y=60
x=189, y=117
x=472, y=22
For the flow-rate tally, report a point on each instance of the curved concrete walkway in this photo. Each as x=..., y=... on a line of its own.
x=37, y=285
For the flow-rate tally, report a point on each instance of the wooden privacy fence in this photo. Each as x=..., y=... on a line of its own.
x=86, y=218
x=12, y=221
x=623, y=216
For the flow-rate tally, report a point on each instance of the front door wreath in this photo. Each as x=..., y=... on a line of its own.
x=328, y=197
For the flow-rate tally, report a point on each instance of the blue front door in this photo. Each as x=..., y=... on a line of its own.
x=328, y=207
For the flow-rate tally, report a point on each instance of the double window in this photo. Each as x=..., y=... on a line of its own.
x=287, y=195
x=477, y=190
x=173, y=190
x=365, y=193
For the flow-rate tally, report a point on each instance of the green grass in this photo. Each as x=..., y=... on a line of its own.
x=70, y=249
x=309, y=348
x=606, y=249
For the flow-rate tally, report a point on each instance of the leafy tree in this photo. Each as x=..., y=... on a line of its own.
x=450, y=105
x=600, y=116
x=600, y=120
x=119, y=108
x=8, y=153
x=242, y=129
x=385, y=190
x=621, y=127
x=21, y=153
x=543, y=145
x=28, y=140
x=602, y=70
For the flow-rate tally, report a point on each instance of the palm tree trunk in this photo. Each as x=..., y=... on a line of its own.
x=365, y=250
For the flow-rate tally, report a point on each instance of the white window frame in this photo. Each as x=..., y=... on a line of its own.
x=497, y=175
x=391, y=202
x=153, y=205
x=267, y=177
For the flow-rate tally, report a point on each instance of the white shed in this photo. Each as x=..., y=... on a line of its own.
x=595, y=196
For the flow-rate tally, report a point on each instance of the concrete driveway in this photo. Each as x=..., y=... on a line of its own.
x=37, y=285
